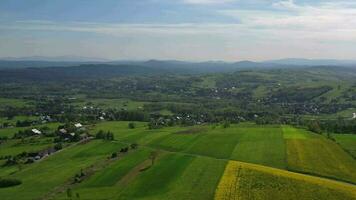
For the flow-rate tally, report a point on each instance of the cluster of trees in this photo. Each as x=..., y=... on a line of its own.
x=104, y=135
x=9, y=182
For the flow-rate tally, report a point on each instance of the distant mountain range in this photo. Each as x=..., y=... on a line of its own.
x=313, y=62
x=208, y=66
x=56, y=59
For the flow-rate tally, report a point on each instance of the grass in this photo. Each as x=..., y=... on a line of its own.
x=17, y=118
x=192, y=165
x=293, y=133
x=113, y=103
x=41, y=177
x=321, y=157
x=217, y=145
x=9, y=132
x=175, y=142
x=12, y=102
x=113, y=173
x=158, y=179
x=347, y=142
x=263, y=146
x=249, y=181
x=14, y=147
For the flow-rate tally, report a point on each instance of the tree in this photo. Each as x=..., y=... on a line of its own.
x=153, y=157
x=58, y=146
x=226, y=124
x=314, y=126
x=99, y=135
x=132, y=125
x=114, y=155
x=69, y=193
x=134, y=146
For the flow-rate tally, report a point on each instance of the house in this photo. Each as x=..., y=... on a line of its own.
x=101, y=118
x=36, y=131
x=78, y=125
x=63, y=131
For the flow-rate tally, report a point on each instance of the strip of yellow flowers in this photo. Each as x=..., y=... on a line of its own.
x=229, y=183
x=233, y=177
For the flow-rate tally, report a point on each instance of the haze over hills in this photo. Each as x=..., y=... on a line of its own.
x=312, y=62
x=209, y=66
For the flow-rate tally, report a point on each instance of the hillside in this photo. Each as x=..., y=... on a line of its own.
x=192, y=162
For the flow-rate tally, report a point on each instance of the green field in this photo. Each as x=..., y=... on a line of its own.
x=347, y=142
x=14, y=147
x=12, y=102
x=320, y=156
x=261, y=145
x=44, y=176
x=192, y=163
x=9, y=132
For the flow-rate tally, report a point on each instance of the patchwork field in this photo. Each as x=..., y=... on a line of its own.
x=347, y=142
x=243, y=161
x=42, y=177
x=249, y=181
x=320, y=156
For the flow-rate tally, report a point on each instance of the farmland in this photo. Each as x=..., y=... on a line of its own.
x=248, y=181
x=250, y=134
x=193, y=163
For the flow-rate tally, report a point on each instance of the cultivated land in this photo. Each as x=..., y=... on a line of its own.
x=197, y=162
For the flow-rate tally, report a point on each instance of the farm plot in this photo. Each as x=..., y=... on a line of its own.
x=198, y=181
x=9, y=132
x=294, y=133
x=158, y=179
x=347, y=142
x=249, y=181
x=322, y=157
x=14, y=147
x=175, y=142
x=263, y=145
x=40, y=178
x=217, y=145
x=140, y=134
x=113, y=173
x=173, y=177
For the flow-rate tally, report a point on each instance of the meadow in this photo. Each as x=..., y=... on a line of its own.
x=242, y=161
x=347, y=142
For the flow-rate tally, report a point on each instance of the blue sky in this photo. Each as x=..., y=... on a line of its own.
x=179, y=29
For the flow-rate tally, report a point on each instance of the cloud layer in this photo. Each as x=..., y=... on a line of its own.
x=283, y=29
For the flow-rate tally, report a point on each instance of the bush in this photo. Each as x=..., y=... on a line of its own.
x=226, y=124
x=114, y=155
x=133, y=146
x=58, y=146
x=9, y=182
x=132, y=125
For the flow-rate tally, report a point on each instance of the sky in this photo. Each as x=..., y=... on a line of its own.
x=193, y=30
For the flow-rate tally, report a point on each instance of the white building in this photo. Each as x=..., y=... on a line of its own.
x=36, y=131
x=354, y=116
x=63, y=131
x=78, y=125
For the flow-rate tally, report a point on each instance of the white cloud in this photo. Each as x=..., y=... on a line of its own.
x=207, y=2
x=289, y=15
x=286, y=30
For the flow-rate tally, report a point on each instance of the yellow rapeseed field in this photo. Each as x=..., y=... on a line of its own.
x=249, y=181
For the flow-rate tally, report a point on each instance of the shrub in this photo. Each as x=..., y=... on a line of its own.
x=58, y=146
x=9, y=182
x=114, y=155
x=132, y=125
